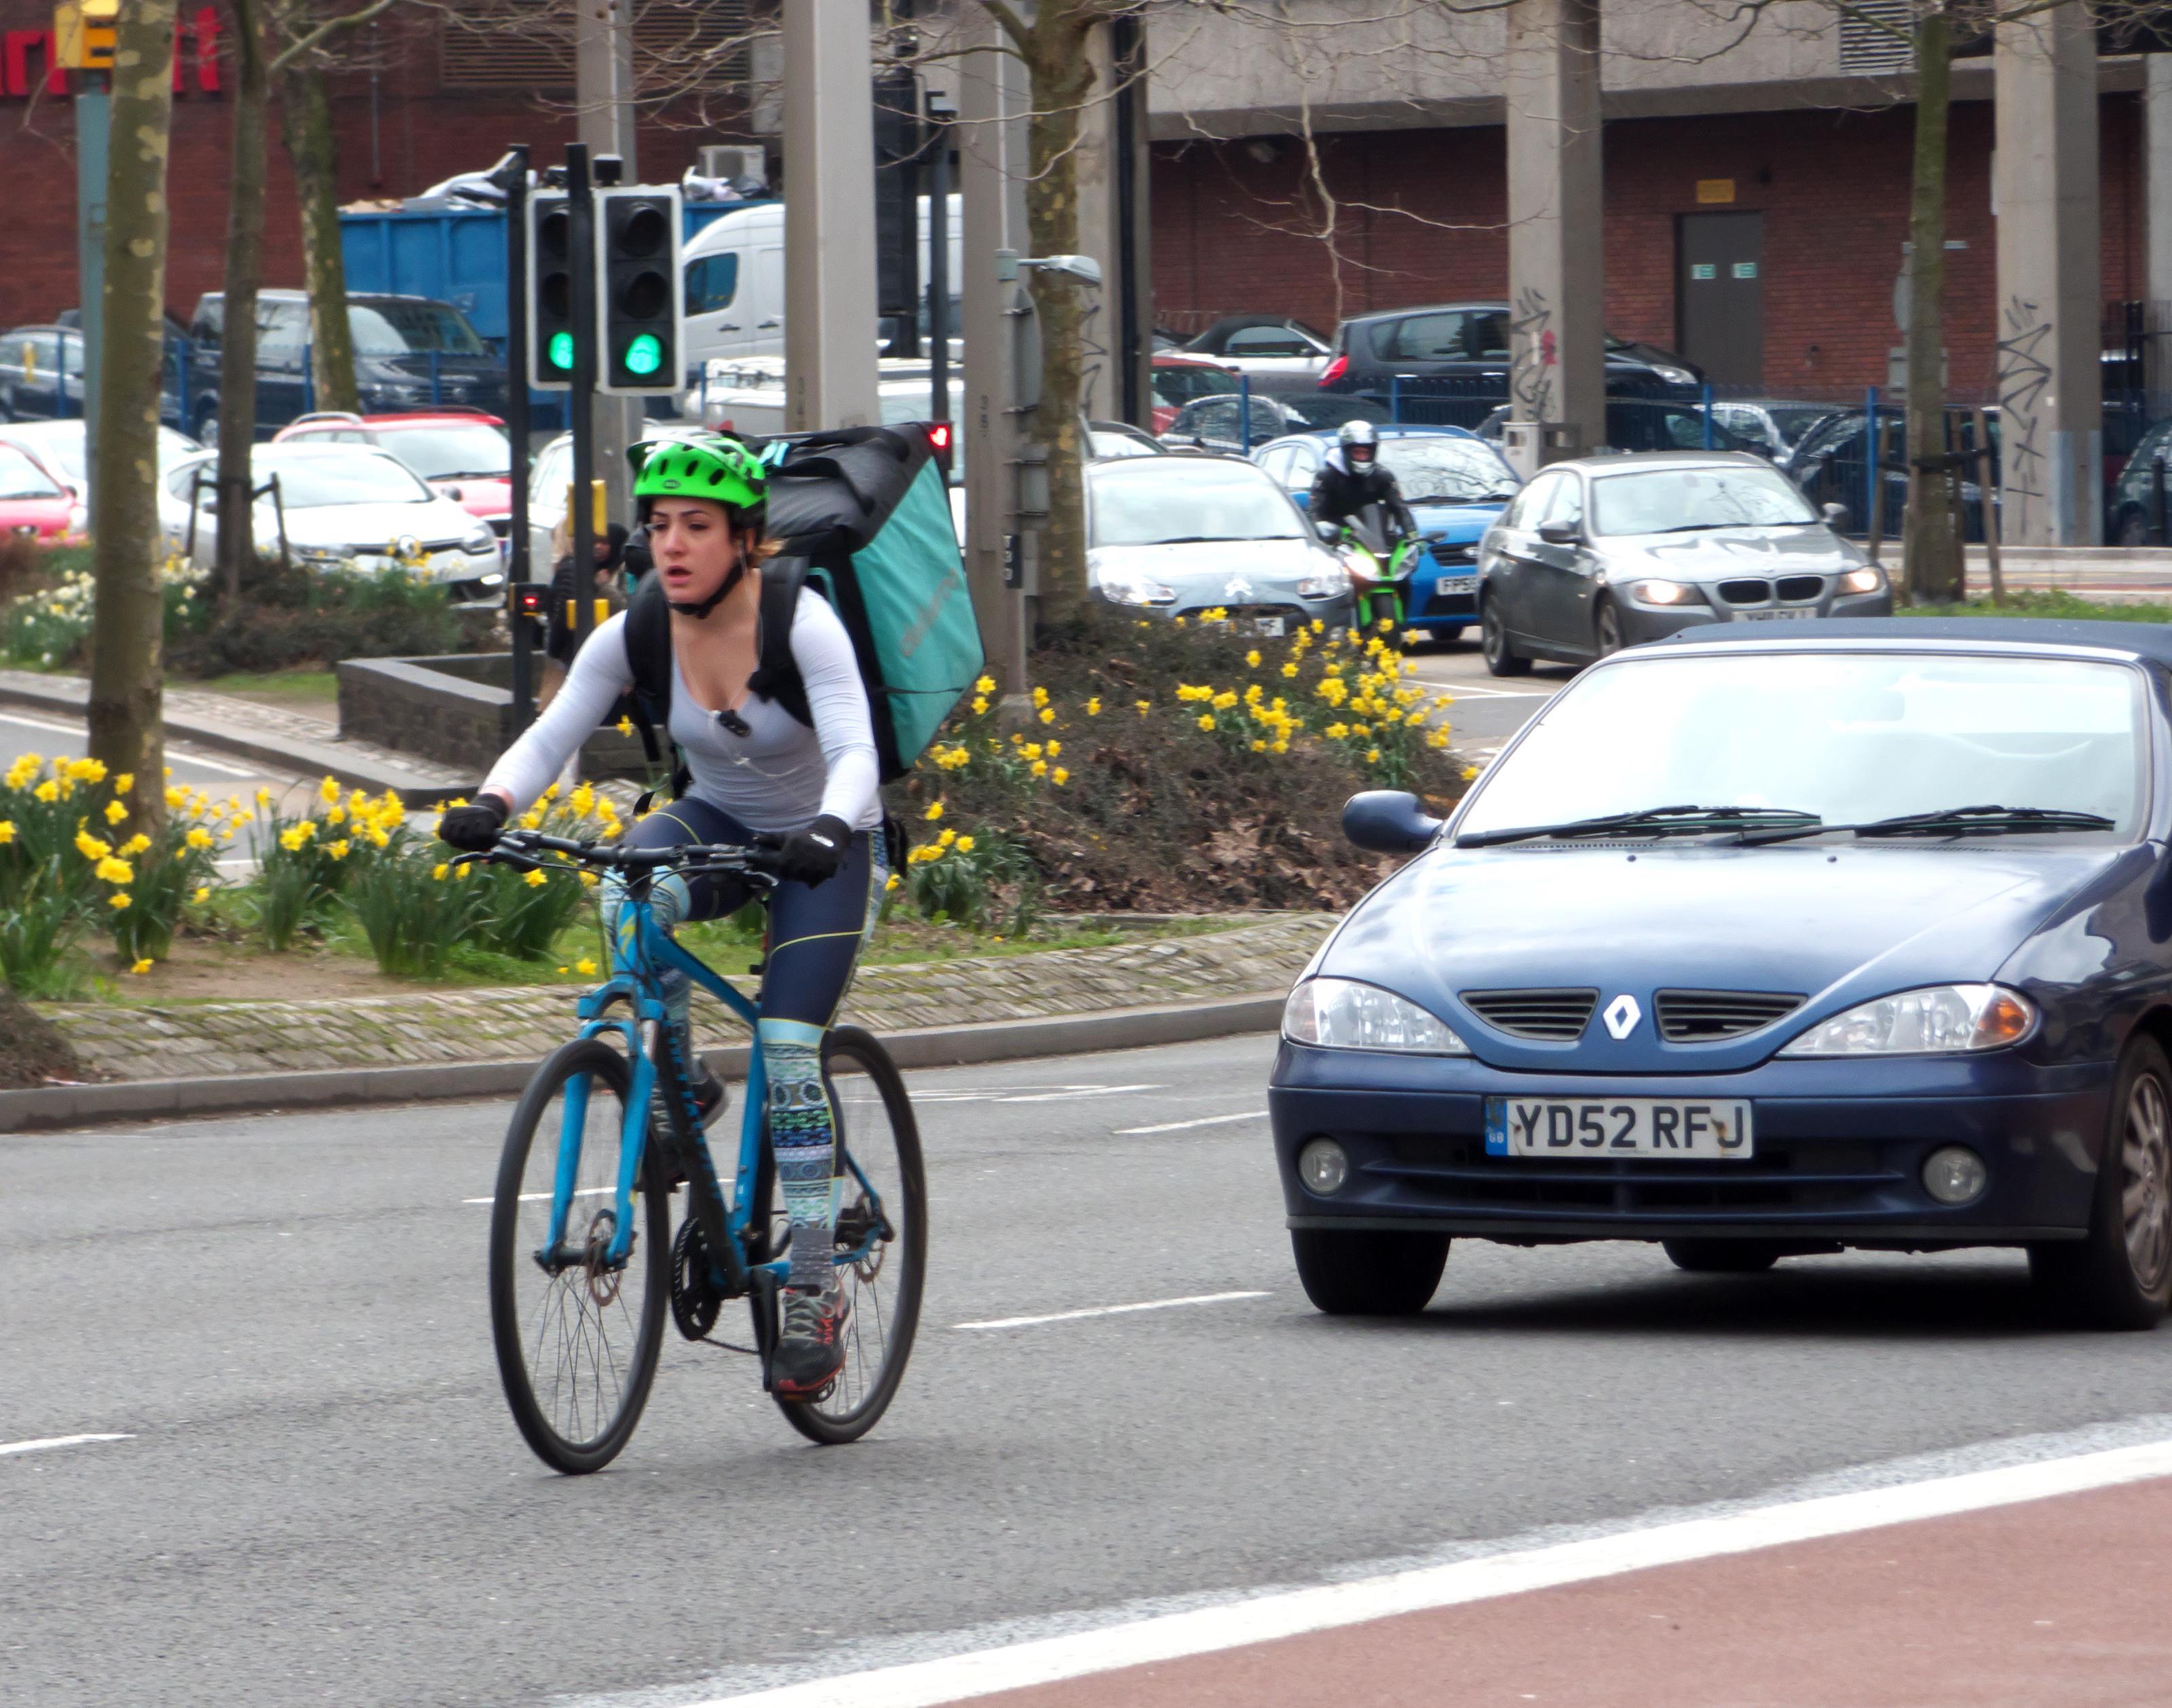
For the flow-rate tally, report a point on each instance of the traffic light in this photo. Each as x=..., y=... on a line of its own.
x=638, y=304
x=549, y=291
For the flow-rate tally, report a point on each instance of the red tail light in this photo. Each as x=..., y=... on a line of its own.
x=1334, y=370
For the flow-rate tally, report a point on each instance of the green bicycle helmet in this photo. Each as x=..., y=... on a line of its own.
x=719, y=469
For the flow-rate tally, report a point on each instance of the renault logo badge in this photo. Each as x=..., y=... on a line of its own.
x=1622, y=1015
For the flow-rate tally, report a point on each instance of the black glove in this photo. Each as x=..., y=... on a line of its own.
x=813, y=856
x=475, y=826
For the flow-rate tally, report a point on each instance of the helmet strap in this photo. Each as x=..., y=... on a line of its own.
x=698, y=609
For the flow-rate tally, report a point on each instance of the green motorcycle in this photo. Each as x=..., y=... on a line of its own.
x=1381, y=558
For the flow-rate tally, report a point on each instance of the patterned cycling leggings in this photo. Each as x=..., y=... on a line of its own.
x=815, y=932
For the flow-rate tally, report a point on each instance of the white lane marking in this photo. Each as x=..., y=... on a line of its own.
x=543, y=1197
x=1471, y=690
x=1249, y=1114
x=48, y=1442
x=1030, y=1093
x=1075, y=1092
x=1291, y=1613
x=77, y=735
x=1108, y=1311
x=212, y=765
x=40, y=724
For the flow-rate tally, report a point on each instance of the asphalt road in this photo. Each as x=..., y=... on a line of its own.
x=1488, y=709
x=318, y=1496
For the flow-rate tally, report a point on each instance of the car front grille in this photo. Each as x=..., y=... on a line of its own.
x=1554, y=1016
x=1445, y=554
x=1801, y=587
x=1706, y=1017
x=1451, y=1171
x=1746, y=592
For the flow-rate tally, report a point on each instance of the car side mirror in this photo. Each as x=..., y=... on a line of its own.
x=1557, y=533
x=453, y=493
x=1836, y=515
x=1388, y=821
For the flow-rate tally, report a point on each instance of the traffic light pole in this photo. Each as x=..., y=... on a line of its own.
x=512, y=178
x=93, y=106
x=580, y=204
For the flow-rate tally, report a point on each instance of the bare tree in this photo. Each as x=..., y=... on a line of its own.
x=126, y=731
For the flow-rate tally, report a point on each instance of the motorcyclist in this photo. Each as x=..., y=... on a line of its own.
x=1352, y=478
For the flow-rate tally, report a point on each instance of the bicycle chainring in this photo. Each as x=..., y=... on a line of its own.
x=695, y=1300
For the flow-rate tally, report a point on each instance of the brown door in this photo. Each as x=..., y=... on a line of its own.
x=1721, y=297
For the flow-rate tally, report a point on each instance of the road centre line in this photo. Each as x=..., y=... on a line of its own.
x=1047, y=1093
x=16, y=718
x=1249, y=1114
x=543, y=1197
x=1109, y=1310
x=1292, y=1613
x=46, y=1442
x=1066, y=1096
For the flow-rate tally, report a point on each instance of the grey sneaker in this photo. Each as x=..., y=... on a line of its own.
x=811, y=1351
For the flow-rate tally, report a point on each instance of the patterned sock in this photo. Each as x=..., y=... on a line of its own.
x=803, y=1134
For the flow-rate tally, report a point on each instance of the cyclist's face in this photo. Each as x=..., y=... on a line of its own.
x=694, y=545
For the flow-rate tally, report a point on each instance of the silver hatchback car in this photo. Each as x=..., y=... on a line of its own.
x=1607, y=551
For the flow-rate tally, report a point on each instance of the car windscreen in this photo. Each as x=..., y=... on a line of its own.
x=1850, y=736
x=1146, y=500
x=1793, y=423
x=58, y=444
x=1446, y=471
x=388, y=328
x=1662, y=501
x=21, y=478
x=308, y=483
x=439, y=453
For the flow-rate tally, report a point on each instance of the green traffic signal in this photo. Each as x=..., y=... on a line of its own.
x=561, y=351
x=645, y=355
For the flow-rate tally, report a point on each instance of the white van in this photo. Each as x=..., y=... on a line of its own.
x=734, y=280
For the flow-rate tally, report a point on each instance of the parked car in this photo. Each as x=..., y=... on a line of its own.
x=1179, y=379
x=410, y=352
x=34, y=504
x=1643, y=424
x=1605, y=552
x=41, y=373
x=549, y=478
x=1769, y=425
x=2132, y=517
x=59, y=445
x=1449, y=362
x=1456, y=485
x=1215, y=423
x=340, y=507
x=463, y=454
x=1830, y=462
x=1118, y=438
x=1174, y=536
x=1263, y=344
x=1841, y=1001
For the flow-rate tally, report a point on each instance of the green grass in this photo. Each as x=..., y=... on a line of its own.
x=2048, y=603
x=294, y=687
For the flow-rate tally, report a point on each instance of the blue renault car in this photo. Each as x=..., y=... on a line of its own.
x=1456, y=485
x=1757, y=945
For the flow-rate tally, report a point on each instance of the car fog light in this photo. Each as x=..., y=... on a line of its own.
x=1955, y=1174
x=1323, y=1165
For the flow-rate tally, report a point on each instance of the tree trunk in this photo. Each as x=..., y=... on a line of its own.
x=244, y=277
x=128, y=609
x=1930, y=547
x=306, y=116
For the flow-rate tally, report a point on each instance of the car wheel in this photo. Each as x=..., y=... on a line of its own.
x=1606, y=628
x=1501, y=658
x=2119, y=1275
x=1719, y=1256
x=1363, y=1272
x=2133, y=528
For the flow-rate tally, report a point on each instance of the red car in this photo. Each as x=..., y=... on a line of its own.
x=33, y=502
x=462, y=453
x=1179, y=379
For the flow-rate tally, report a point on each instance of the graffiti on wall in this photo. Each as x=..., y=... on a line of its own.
x=2024, y=375
x=1534, y=357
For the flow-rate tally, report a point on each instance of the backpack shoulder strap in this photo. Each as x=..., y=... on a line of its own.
x=648, y=652
x=776, y=676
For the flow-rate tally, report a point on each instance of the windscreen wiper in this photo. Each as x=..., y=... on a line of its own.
x=1950, y=821
x=1656, y=821
x=1704, y=527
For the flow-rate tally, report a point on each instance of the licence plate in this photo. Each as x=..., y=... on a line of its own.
x=1777, y=616
x=1267, y=628
x=1691, y=1129
x=1457, y=583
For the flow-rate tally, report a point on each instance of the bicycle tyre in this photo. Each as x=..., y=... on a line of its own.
x=542, y=1417
x=867, y=1385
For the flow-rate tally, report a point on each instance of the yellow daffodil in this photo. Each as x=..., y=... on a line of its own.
x=1041, y=696
x=986, y=684
x=87, y=771
x=439, y=870
x=203, y=894
x=1281, y=747
x=1053, y=747
x=1252, y=658
x=1031, y=749
x=90, y=847
x=119, y=901
x=1206, y=720
x=1144, y=706
x=7, y=832
x=946, y=839
x=115, y=813
x=329, y=791
x=1093, y=706
x=980, y=705
x=123, y=783
x=142, y=967
x=535, y=880
x=624, y=725
x=1048, y=714
x=1372, y=756
x=198, y=838
x=1040, y=767
x=1259, y=747
x=110, y=870
x=892, y=882
x=585, y=967
x=48, y=792
x=964, y=846
x=934, y=811
x=1469, y=772
x=564, y=969
x=339, y=850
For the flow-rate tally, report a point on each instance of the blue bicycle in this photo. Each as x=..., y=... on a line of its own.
x=584, y=1261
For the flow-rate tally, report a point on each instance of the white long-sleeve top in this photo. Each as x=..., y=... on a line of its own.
x=780, y=776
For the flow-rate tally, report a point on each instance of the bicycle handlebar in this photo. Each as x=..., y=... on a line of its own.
x=518, y=849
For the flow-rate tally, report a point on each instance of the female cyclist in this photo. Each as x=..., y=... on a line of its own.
x=756, y=769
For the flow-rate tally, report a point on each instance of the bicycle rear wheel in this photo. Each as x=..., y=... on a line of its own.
x=577, y=1340
x=885, y=1211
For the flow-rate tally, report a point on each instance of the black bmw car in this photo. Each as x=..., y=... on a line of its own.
x=1758, y=943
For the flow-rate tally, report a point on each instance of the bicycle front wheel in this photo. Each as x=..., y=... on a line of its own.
x=577, y=1336
x=884, y=1217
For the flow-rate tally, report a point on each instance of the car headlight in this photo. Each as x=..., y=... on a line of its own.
x=1326, y=584
x=1664, y=593
x=1870, y=578
x=1939, y=1020
x=1132, y=587
x=1673, y=376
x=1343, y=1014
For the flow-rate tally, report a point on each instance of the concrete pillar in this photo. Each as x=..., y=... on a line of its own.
x=2050, y=284
x=603, y=92
x=1557, y=253
x=829, y=216
x=1114, y=227
x=991, y=178
x=2157, y=201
